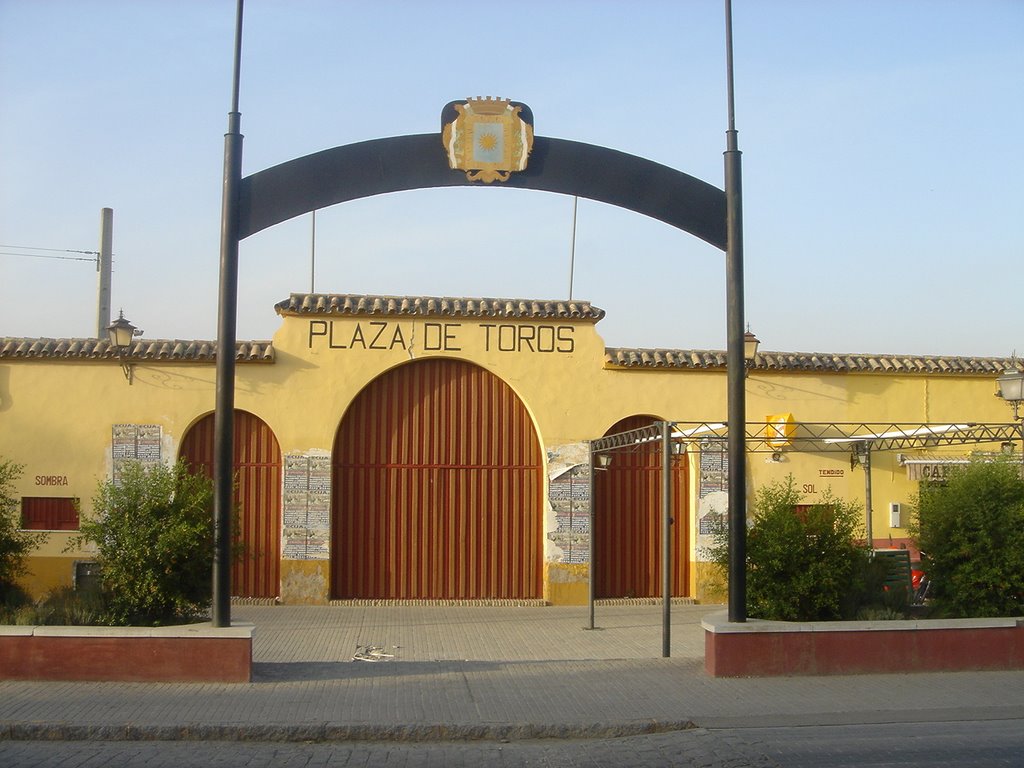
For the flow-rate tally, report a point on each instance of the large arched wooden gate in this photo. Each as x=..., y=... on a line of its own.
x=437, y=485
x=628, y=521
x=257, y=472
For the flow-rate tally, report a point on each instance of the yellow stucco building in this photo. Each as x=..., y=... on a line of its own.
x=406, y=448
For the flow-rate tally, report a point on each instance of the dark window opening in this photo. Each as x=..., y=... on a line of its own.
x=49, y=514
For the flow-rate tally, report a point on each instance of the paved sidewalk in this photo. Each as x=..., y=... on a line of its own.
x=484, y=673
x=477, y=633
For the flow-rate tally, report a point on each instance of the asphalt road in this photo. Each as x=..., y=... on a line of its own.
x=964, y=744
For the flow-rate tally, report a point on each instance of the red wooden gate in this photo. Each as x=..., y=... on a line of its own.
x=628, y=520
x=257, y=471
x=438, y=478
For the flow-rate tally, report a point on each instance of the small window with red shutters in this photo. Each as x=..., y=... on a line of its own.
x=40, y=513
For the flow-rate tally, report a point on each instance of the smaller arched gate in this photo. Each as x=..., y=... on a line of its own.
x=628, y=521
x=257, y=475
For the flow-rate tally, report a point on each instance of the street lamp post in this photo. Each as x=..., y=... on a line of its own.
x=862, y=452
x=1011, y=389
x=224, y=409
x=735, y=359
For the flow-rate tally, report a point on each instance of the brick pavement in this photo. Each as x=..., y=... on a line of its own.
x=478, y=633
x=493, y=673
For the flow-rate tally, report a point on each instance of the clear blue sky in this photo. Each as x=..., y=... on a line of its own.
x=881, y=142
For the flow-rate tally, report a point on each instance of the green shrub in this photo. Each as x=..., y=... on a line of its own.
x=15, y=544
x=14, y=602
x=66, y=606
x=806, y=565
x=24, y=615
x=971, y=529
x=154, y=535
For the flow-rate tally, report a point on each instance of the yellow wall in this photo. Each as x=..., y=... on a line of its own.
x=56, y=416
x=56, y=420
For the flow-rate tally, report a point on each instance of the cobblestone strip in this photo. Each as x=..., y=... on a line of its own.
x=681, y=749
x=333, y=732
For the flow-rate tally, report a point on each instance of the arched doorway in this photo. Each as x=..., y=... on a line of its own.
x=628, y=521
x=438, y=478
x=257, y=472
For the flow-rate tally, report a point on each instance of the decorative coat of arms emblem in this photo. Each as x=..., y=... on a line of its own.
x=488, y=138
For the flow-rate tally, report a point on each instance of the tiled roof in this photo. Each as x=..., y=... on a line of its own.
x=435, y=306
x=190, y=351
x=809, y=361
x=164, y=350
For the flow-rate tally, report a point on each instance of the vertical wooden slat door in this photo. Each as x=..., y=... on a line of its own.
x=438, y=478
x=257, y=473
x=628, y=520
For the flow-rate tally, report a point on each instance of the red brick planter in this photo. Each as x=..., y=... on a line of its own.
x=758, y=648
x=188, y=653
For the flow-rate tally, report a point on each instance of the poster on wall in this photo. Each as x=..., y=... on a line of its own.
x=569, y=494
x=134, y=442
x=714, y=466
x=569, y=499
x=712, y=494
x=306, y=509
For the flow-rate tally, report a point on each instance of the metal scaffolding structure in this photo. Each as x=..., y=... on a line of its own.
x=821, y=437
x=859, y=439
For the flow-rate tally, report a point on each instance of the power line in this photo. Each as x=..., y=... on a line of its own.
x=45, y=256
x=95, y=255
x=55, y=250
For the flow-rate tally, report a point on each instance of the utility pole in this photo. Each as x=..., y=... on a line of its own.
x=103, y=268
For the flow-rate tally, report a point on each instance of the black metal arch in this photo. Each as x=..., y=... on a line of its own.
x=403, y=163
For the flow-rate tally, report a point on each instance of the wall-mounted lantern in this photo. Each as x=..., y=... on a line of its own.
x=121, y=333
x=750, y=342
x=1011, y=389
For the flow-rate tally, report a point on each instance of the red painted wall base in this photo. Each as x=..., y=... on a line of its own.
x=770, y=648
x=197, y=653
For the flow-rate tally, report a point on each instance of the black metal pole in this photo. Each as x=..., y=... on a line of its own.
x=223, y=441
x=868, y=509
x=1021, y=439
x=592, y=581
x=737, y=405
x=666, y=539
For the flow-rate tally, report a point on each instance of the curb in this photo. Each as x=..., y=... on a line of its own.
x=331, y=732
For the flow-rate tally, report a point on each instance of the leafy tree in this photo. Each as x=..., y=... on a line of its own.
x=15, y=544
x=804, y=562
x=972, y=531
x=154, y=534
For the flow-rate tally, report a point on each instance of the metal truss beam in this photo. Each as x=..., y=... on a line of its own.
x=822, y=437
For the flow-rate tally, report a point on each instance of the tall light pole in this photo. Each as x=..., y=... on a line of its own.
x=735, y=362
x=666, y=538
x=227, y=316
